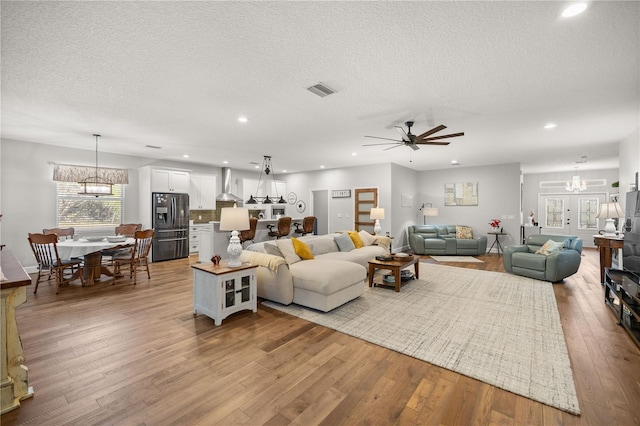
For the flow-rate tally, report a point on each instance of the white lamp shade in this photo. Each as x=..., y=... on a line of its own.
x=430, y=211
x=377, y=213
x=610, y=211
x=234, y=219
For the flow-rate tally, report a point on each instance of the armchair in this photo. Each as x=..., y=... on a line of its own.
x=556, y=266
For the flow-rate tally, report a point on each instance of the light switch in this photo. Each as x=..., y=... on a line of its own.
x=339, y=215
x=511, y=216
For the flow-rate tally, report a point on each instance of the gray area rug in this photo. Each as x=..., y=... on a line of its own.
x=499, y=328
x=456, y=259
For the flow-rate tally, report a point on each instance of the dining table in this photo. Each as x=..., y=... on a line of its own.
x=91, y=250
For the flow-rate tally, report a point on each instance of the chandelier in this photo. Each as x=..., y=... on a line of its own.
x=576, y=185
x=94, y=184
x=267, y=168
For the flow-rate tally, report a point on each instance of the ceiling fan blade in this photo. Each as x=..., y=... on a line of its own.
x=387, y=139
x=384, y=143
x=432, y=131
x=403, y=134
x=453, y=135
x=391, y=147
x=432, y=143
x=413, y=146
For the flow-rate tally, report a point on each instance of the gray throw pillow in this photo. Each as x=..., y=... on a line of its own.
x=272, y=248
x=344, y=242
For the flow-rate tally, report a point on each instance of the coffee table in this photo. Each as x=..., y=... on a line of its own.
x=395, y=266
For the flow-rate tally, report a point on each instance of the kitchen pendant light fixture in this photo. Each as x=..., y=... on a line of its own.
x=93, y=184
x=267, y=168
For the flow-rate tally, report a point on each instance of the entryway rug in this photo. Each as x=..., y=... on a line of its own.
x=456, y=259
x=499, y=328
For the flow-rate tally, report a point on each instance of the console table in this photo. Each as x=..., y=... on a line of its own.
x=14, y=383
x=606, y=246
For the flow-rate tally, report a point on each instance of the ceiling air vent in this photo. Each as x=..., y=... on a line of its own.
x=153, y=147
x=321, y=90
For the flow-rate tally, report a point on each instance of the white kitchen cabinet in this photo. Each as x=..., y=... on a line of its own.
x=165, y=180
x=202, y=192
x=219, y=291
x=194, y=236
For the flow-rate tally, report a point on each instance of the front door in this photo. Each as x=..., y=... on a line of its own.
x=571, y=214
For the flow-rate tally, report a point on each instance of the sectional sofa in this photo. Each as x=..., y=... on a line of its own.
x=334, y=276
x=445, y=240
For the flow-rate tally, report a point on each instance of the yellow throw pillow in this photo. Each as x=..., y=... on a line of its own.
x=464, y=233
x=357, y=241
x=302, y=249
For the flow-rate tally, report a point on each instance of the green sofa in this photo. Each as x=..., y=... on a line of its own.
x=441, y=240
x=523, y=260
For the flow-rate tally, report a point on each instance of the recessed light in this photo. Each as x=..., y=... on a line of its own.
x=256, y=167
x=225, y=162
x=454, y=162
x=243, y=119
x=354, y=153
x=284, y=171
x=574, y=9
x=322, y=167
x=186, y=156
x=550, y=125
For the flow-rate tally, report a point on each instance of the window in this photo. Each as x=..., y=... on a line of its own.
x=84, y=212
x=554, y=210
x=588, y=210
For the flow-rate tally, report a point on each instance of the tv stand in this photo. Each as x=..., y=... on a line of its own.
x=622, y=295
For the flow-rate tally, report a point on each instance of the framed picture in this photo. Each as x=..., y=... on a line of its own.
x=406, y=200
x=341, y=193
x=461, y=194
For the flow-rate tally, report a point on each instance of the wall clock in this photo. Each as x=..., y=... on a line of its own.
x=301, y=206
x=292, y=198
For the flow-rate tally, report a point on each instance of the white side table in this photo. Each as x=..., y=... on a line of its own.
x=219, y=291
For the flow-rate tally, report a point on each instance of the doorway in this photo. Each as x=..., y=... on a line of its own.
x=320, y=209
x=571, y=214
x=365, y=200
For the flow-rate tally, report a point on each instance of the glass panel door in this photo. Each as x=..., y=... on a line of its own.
x=587, y=212
x=365, y=200
x=229, y=293
x=245, y=290
x=554, y=213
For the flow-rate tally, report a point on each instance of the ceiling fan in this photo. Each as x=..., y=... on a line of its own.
x=412, y=141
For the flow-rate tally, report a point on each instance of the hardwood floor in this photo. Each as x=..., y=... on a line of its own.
x=137, y=356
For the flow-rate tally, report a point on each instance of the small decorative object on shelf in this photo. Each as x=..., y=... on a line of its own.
x=216, y=260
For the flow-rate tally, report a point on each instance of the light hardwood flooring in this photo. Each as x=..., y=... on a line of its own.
x=137, y=356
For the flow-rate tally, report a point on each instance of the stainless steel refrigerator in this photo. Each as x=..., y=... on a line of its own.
x=171, y=225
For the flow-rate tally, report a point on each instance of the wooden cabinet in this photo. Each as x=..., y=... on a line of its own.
x=202, y=192
x=219, y=291
x=622, y=295
x=165, y=180
x=194, y=236
x=606, y=247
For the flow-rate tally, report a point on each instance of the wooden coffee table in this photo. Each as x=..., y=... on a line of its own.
x=395, y=266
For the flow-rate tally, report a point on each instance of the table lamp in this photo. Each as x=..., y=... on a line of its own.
x=428, y=210
x=608, y=212
x=377, y=213
x=234, y=219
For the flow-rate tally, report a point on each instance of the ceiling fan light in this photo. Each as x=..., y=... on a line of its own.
x=574, y=9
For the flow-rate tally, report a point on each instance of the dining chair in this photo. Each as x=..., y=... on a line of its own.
x=45, y=250
x=137, y=258
x=62, y=233
x=128, y=229
x=284, y=227
x=249, y=234
x=307, y=226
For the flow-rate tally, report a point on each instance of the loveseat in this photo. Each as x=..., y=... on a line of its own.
x=445, y=240
x=552, y=262
x=335, y=275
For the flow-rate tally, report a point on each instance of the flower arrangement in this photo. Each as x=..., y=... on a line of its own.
x=495, y=223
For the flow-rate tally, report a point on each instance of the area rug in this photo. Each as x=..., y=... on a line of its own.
x=456, y=259
x=498, y=328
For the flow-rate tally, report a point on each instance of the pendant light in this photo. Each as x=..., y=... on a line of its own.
x=93, y=184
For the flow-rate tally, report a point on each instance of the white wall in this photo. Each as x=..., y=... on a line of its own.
x=629, y=161
x=498, y=196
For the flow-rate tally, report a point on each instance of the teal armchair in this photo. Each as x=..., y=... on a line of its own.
x=523, y=260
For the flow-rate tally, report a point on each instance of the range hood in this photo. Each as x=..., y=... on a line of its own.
x=226, y=187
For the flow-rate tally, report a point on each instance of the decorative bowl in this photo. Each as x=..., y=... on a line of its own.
x=93, y=239
x=117, y=239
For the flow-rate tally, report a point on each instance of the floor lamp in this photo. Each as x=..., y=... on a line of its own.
x=428, y=210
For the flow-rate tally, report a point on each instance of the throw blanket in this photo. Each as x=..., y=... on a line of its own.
x=262, y=259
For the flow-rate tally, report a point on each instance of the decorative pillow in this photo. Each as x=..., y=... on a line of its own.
x=286, y=248
x=550, y=247
x=344, y=242
x=357, y=242
x=464, y=233
x=322, y=245
x=301, y=249
x=272, y=248
x=367, y=238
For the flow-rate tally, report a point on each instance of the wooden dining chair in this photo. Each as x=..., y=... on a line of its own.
x=137, y=258
x=45, y=250
x=128, y=229
x=307, y=226
x=62, y=233
x=284, y=228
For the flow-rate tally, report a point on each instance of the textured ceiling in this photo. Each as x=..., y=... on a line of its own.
x=179, y=74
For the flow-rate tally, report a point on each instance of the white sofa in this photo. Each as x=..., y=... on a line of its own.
x=329, y=280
